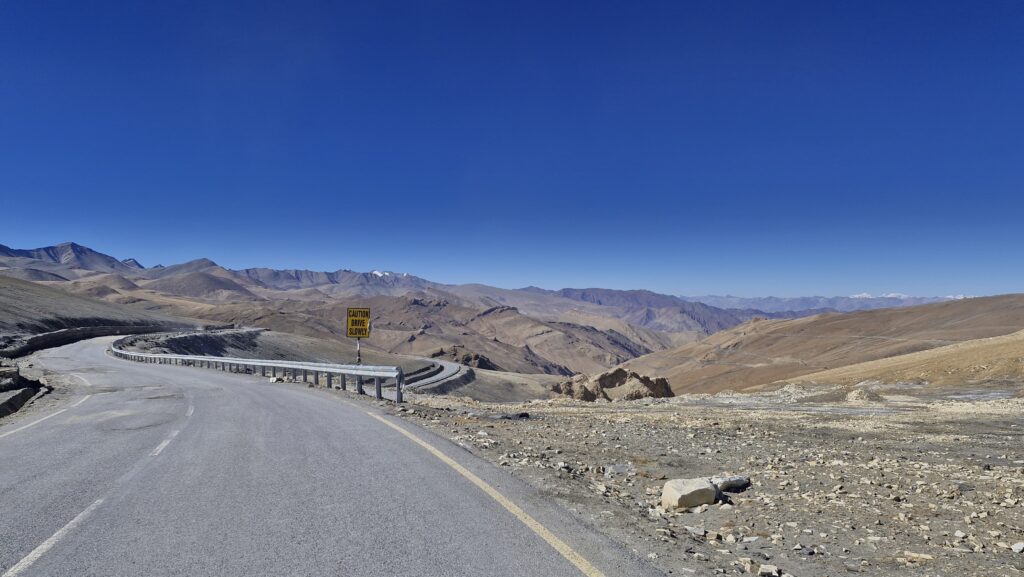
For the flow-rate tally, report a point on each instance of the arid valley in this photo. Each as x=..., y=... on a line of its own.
x=878, y=440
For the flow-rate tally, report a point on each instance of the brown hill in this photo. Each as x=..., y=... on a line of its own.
x=202, y=285
x=973, y=362
x=762, y=352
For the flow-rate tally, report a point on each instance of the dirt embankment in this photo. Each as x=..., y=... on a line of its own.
x=17, y=389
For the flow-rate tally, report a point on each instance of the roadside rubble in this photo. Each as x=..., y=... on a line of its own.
x=934, y=491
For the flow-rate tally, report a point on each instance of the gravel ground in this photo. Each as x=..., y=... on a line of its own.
x=914, y=487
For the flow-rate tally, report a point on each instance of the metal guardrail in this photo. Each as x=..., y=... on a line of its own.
x=377, y=373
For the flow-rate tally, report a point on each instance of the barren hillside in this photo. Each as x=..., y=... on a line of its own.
x=28, y=308
x=761, y=352
x=202, y=285
x=979, y=361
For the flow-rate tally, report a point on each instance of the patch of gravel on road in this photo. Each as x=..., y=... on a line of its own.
x=930, y=489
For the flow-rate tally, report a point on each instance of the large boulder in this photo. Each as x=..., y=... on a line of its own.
x=687, y=493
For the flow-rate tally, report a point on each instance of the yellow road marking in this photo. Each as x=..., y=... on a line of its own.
x=565, y=550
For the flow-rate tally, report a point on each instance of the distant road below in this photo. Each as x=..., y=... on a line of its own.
x=168, y=470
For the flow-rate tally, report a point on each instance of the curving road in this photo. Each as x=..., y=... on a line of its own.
x=166, y=470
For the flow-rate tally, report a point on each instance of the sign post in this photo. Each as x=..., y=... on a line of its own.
x=358, y=325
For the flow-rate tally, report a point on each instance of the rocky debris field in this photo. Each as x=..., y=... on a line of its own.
x=931, y=489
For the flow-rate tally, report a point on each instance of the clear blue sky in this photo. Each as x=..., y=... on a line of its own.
x=718, y=147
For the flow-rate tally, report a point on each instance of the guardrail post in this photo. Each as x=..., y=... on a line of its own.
x=399, y=384
x=376, y=388
x=329, y=385
x=304, y=373
x=359, y=385
x=316, y=378
x=343, y=378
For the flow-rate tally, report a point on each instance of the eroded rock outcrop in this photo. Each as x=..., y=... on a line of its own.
x=614, y=385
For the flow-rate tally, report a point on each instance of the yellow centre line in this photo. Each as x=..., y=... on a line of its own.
x=563, y=549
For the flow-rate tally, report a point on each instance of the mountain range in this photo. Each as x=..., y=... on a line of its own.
x=859, y=302
x=528, y=330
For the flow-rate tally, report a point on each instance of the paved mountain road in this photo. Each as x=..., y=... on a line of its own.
x=166, y=470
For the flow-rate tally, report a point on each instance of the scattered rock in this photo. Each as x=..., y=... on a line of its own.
x=1017, y=547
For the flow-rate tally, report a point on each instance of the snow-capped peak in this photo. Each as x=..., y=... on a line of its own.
x=861, y=296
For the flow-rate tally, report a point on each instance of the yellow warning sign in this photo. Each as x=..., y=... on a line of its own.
x=358, y=323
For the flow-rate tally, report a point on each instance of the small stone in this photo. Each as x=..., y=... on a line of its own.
x=767, y=571
x=1017, y=547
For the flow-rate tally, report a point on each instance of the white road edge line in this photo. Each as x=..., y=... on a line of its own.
x=190, y=410
x=160, y=447
x=49, y=543
x=84, y=380
x=570, y=555
x=22, y=428
x=82, y=400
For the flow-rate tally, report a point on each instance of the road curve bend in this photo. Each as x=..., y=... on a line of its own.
x=168, y=470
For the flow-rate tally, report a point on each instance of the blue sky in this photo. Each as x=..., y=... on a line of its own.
x=756, y=148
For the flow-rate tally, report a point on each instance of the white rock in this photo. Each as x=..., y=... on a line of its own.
x=686, y=493
x=1017, y=547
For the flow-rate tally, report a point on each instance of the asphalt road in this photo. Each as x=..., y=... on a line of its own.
x=166, y=470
